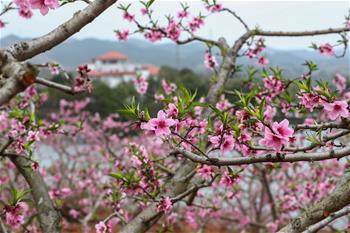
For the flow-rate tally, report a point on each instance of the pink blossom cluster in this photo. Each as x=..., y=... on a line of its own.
x=278, y=136
x=141, y=85
x=256, y=51
x=14, y=214
x=173, y=31
x=165, y=205
x=168, y=87
x=26, y=6
x=214, y=8
x=327, y=49
x=273, y=85
x=123, y=35
x=209, y=60
x=196, y=23
x=82, y=80
x=160, y=125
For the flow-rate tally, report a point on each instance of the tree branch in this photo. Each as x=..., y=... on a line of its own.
x=259, y=32
x=271, y=158
x=332, y=202
x=25, y=50
x=3, y=227
x=49, y=217
x=58, y=86
x=318, y=226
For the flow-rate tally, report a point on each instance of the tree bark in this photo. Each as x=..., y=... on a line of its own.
x=49, y=217
x=333, y=202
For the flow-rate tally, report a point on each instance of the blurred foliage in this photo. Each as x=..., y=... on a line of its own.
x=106, y=100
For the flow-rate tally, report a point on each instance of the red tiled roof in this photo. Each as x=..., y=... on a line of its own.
x=94, y=73
x=113, y=55
x=153, y=70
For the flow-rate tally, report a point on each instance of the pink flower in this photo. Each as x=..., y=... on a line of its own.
x=215, y=140
x=209, y=60
x=158, y=97
x=340, y=82
x=228, y=179
x=172, y=110
x=55, y=69
x=159, y=125
x=206, y=172
x=283, y=129
x=24, y=8
x=269, y=113
x=14, y=214
x=129, y=17
x=165, y=204
x=309, y=100
x=214, y=8
x=347, y=24
x=251, y=53
x=141, y=85
x=263, y=61
x=173, y=31
x=35, y=166
x=82, y=80
x=309, y=121
x=2, y=24
x=272, y=226
x=245, y=136
x=154, y=35
x=25, y=13
x=44, y=5
x=19, y=146
x=196, y=23
x=123, y=35
x=101, y=227
x=227, y=144
x=223, y=104
x=271, y=140
x=168, y=88
x=279, y=137
x=336, y=109
x=327, y=49
x=74, y=213
x=144, y=11
x=273, y=85
x=182, y=14
x=33, y=136
x=346, y=96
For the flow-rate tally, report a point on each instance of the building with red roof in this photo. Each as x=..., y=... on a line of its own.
x=113, y=68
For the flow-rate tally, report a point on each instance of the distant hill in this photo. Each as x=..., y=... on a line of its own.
x=74, y=52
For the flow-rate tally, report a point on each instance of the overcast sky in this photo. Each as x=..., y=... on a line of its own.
x=269, y=15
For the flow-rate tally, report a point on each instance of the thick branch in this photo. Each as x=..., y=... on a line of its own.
x=49, y=217
x=14, y=77
x=25, y=50
x=318, y=226
x=3, y=227
x=332, y=203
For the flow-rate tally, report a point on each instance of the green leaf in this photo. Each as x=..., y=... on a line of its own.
x=132, y=110
x=117, y=175
x=149, y=3
x=262, y=109
x=17, y=195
